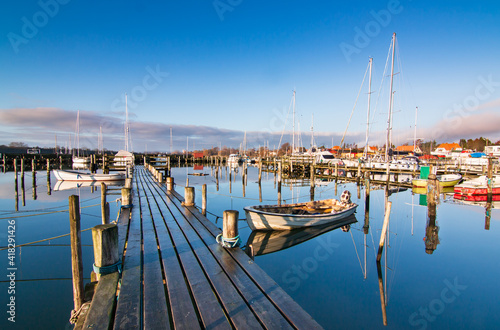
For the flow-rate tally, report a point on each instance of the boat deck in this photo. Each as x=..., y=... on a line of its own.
x=175, y=275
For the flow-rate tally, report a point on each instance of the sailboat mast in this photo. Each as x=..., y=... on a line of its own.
x=101, y=141
x=368, y=111
x=312, y=131
x=126, y=123
x=389, y=120
x=78, y=133
x=415, y=133
x=171, y=141
x=293, y=125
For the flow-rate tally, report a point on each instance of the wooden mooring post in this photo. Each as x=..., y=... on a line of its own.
x=230, y=237
x=76, y=251
x=105, y=241
x=188, y=196
x=384, y=230
x=204, y=199
x=104, y=205
x=170, y=183
x=126, y=198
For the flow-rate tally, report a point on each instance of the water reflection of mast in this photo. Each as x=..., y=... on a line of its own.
x=366, y=225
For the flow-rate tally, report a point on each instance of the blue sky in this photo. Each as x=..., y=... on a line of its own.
x=211, y=70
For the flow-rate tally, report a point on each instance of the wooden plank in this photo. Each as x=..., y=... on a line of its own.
x=156, y=315
x=101, y=312
x=128, y=310
x=236, y=307
x=123, y=223
x=267, y=313
x=210, y=310
x=294, y=313
x=183, y=311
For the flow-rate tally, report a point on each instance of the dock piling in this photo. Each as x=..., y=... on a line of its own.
x=204, y=199
x=104, y=205
x=188, y=196
x=229, y=237
x=126, y=198
x=170, y=183
x=384, y=231
x=105, y=241
x=76, y=251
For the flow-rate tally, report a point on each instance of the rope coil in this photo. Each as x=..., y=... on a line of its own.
x=76, y=313
x=228, y=242
x=104, y=270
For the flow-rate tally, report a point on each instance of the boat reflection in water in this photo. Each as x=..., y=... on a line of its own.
x=261, y=242
x=67, y=185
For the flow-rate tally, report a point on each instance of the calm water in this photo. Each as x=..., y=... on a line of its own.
x=331, y=273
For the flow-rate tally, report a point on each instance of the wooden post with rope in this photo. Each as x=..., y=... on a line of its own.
x=229, y=237
x=105, y=241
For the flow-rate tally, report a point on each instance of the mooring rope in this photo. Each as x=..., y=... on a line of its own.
x=53, y=212
x=228, y=242
x=104, y=270
x=43, y=240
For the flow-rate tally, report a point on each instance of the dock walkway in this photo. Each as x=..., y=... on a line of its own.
x=175, y=275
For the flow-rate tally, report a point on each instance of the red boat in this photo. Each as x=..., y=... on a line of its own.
x=478, y=186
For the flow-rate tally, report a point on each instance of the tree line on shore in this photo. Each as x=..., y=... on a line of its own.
x=426, y=147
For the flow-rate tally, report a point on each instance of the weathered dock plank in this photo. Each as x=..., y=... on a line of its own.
x=156, y=313
x=266, y=312
x=210, y=311
x=292, y=311
x=237, y=309
x=129, y=305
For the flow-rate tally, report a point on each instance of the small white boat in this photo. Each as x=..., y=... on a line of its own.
x=265, y=242
x=80, y=160
x=298, y=215
x=67, y=175
x=234, y=159
x=124, y=158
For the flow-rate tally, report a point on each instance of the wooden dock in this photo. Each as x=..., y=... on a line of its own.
x=175, y=274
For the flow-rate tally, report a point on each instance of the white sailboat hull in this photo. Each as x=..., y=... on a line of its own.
x=66, y=175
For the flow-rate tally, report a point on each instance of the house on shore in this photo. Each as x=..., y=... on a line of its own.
x=408, y=150
x=446, y=150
